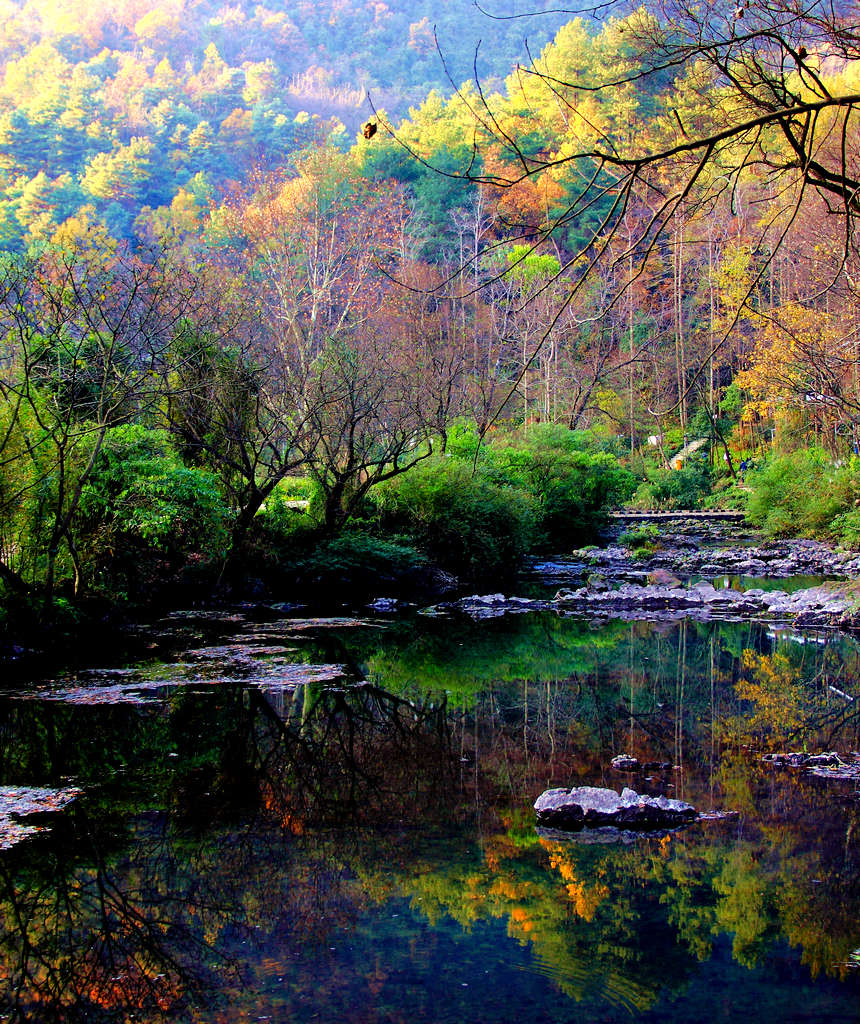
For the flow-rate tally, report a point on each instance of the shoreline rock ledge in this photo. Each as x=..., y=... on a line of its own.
x=591, y=806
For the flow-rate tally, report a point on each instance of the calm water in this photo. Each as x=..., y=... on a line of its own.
x=311, y=820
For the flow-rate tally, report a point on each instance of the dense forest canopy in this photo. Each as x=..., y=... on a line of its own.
x=116, y=107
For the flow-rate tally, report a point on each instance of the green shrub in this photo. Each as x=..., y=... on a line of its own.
x=684, y=488
x=142, y=504
x=804, y=494
x=572, y=488
x=469, y=523
x=640, y=536
x=728, y=493
x=643, y=552
x=846, y=528
x=297, y=488
x=280, y=519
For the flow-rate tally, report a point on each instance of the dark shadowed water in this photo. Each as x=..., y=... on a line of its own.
x=323, y=820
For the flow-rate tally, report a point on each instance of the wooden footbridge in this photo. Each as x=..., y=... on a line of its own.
x=707, y=515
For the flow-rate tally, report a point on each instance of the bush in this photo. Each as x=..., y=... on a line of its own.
x=846, y=528
x=470, y=524
x=728, y=494
x=572, y=488
x=684, y=488
x=805, y=494
x=641, y=536
x=643, y=552
x=280, y=519
x=142, y=506
x=298, y=488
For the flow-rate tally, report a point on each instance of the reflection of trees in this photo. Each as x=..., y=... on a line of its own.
x=79, y=941
x=655, y=908
x=798, y=868
x=355, y=754
x=786, y=697
x=287, y=825
x=91, y=927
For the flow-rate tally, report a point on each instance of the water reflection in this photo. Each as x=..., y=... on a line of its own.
x=365, y=846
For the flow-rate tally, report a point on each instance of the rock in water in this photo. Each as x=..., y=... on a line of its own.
x=596, y=583
x=589, y=806
x=625, y=763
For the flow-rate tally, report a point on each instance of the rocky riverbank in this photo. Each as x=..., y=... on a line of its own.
x=674, y=577
x=828, y=605
x=688, y=555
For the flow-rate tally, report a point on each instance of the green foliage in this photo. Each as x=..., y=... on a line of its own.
x=845, y=528
x=684, y=488
x=525, y=490
x=728, y=493
x=119, y=109
x=572, y=487
x=298, y=488
x=805, y=494
x=530, y=267
x=733, y=403
x=639, y=537
x=470, y=523
x=140, y=500
x=573, y=503
x=288, y=514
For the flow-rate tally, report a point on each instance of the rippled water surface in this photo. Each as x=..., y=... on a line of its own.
x=322, y=820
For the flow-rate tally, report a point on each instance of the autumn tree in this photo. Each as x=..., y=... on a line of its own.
x=680, y=107
x=319, y=254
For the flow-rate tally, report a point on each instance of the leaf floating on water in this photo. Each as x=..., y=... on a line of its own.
x=25, y=801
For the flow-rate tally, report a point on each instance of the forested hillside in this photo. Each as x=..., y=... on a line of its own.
x=108, y=108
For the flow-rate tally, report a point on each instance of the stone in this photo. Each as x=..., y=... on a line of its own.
x=796, y=759
x=23, y=807
x=663, y=578
x=590, y=806
x=596, y=583
x=704, y=589
x=625, y=763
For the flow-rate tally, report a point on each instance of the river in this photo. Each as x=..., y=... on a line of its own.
x=323, y=819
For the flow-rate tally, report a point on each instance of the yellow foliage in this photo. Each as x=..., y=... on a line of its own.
x=773, y=686
x=788, y=359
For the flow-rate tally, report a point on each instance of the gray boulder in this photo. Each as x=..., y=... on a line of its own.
x=625, y=763
x=596, y=583
x=590, y=806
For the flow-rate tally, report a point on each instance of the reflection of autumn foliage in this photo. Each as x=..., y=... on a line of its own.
x=658, y=905
x=185, y=905
x=354, y=754
x=781, y=703
x=584, y=898
x=83, y=945
x=797, y=878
